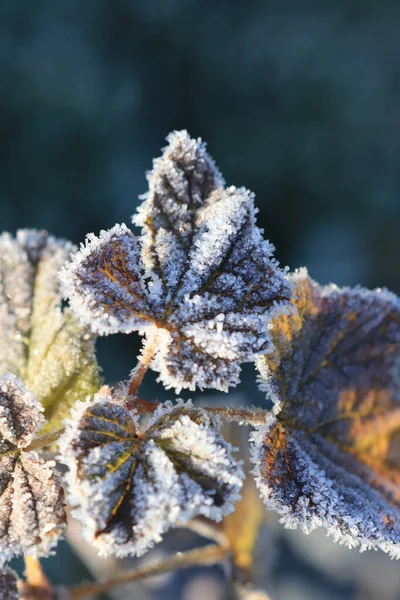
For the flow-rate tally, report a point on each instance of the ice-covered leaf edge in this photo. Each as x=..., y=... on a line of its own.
x=344, y=529
x=77, y=492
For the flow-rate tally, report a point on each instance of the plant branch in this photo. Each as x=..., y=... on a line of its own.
x=206, y=529
x=241, y=415
x=143, y=365
x=206, y=556
x=34, y=573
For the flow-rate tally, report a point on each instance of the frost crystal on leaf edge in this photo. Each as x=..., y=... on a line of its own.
x=32, y=514
x=177, y=468
x=42, y=342
x=204, y=276
x=309, y=480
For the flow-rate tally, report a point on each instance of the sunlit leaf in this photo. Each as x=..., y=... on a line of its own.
x=331, y=456
x=32, y=515
x=128, y=485
x=202, y=273
x=40, y=342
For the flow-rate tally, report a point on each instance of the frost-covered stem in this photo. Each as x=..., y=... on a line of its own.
x=146, y=356
x=206, y=556
x=35, y=576
x=243, y=416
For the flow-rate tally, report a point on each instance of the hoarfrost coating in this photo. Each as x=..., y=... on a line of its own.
x=8, y=584
x=131, y=486
x=32, y=254
x=32, y=515
x=329, y=457
x=201, y=272
x=41, y=343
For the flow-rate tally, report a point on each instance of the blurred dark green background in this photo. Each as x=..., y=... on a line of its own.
x=299, y=100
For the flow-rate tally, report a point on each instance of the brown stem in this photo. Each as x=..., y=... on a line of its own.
x=34, y=573
x=141, y=406
x=243, y=416
x=37, y=585
x=146, y=356
x=206, y=556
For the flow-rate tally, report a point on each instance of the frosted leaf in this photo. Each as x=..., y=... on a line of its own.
x=202, y=273
x=130, y=485
x=8, y=584
x=20, y=413
x=32, y=515
x=180, y=186
x=330, y=457
x=42, y=343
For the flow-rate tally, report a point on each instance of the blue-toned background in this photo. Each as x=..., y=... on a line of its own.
x=299, y=101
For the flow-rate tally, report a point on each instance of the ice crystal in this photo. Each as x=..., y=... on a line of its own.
x=330, y=457
x=201, y=273
x=40, y=342
x=32, y=515
x=130, y=485
x=8, y=584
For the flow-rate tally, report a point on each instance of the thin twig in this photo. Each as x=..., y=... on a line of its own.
x=144, y=363
x=34, y=573
x=206, y=529
x=141, y=406
x=37, y=585
x=206, y=556
x=241, y=415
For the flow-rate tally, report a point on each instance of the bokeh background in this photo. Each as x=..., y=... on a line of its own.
x=299, y=100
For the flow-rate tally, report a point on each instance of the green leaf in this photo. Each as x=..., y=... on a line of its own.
x=42, y=343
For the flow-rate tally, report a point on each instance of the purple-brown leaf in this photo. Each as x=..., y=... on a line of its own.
x=129, y=484
x=32, y=515
x=331, y=456
x=202, y=274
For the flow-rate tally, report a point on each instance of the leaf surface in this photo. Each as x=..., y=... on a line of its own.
x=32, y=514
x=201, y=273
x=42, y=343
x=331, y=455
x=131, y=485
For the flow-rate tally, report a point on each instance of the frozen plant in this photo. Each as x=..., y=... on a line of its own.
x=329, y=456
x=132, y=484
x=200, y=284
